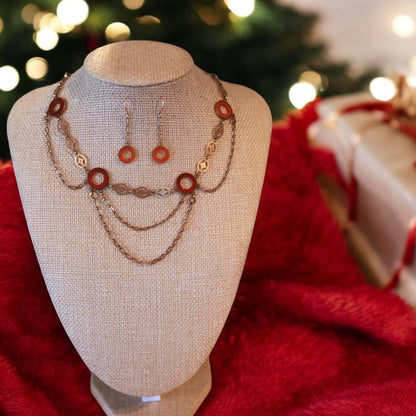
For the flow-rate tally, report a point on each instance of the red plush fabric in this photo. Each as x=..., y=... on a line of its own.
x=306, y=334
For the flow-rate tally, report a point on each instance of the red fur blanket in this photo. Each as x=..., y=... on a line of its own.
x=306, y=335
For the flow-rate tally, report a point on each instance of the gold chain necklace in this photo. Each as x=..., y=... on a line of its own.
x=99, y=181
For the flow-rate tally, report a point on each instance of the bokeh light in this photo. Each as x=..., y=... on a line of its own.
x=37, y=20
x=133, y=4
x=45, y=20
x=382, y=88
x=36, y=68
x=72, y=12
x=60, y=27
x=411, y=81
x=148, y=20
x=46, y=39
x=241, y=8
x=117, y=31
x=9, y=78
x=29, y=12
x=302, y=93
x=1, y=25
x=403, y=26
x=210, y=16
x=313, y=78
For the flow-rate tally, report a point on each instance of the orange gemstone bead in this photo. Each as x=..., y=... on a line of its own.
x=57, y=106
x=160, y=154
x=188, y=177
x=126, y=154
x=223, y=109
x=92, y=178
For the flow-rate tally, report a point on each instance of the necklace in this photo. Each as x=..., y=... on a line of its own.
x=98, y=180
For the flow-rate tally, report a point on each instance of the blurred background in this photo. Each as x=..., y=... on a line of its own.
x=288, y=51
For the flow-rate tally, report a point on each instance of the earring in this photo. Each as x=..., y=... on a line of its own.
x=160, y=153
x=127, y=154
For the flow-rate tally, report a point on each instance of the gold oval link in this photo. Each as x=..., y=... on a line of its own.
x=218, y=130
x=121, y=189
x=81, y=160
x=203, y=165
x=211, y=148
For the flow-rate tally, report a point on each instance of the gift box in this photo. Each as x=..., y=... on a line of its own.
x=374, y=196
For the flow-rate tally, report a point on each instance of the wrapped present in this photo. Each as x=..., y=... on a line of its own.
x=374, y=147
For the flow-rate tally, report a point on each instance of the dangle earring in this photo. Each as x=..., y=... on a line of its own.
x=127, y=154
x=160, y=153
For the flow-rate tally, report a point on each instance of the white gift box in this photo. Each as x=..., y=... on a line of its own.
x=382, y=161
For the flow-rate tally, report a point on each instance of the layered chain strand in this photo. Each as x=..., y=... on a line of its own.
x=51, y=154
x=228, y=165
x=112, y=209
x=98, y=187
x=124, y=251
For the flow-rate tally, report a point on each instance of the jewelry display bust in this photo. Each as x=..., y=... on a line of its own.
x=142, y=329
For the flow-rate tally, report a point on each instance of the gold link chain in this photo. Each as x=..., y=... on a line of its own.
x=124, y=251
x=100, y=197
x=228, y=166
x=111, y=208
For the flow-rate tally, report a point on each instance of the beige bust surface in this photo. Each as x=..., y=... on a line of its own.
x=143, y=330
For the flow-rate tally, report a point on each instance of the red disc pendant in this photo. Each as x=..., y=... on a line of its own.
x=126, y=154
x=160, y=154
x=92, y=178
x=223, y=109
x=57, y=106
x=188, y=178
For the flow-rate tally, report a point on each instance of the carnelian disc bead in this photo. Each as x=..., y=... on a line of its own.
x=126, y=154
x=188, y=176
x=163, y=151
x=92, y=175
x=57, y=106
x=223, y=109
